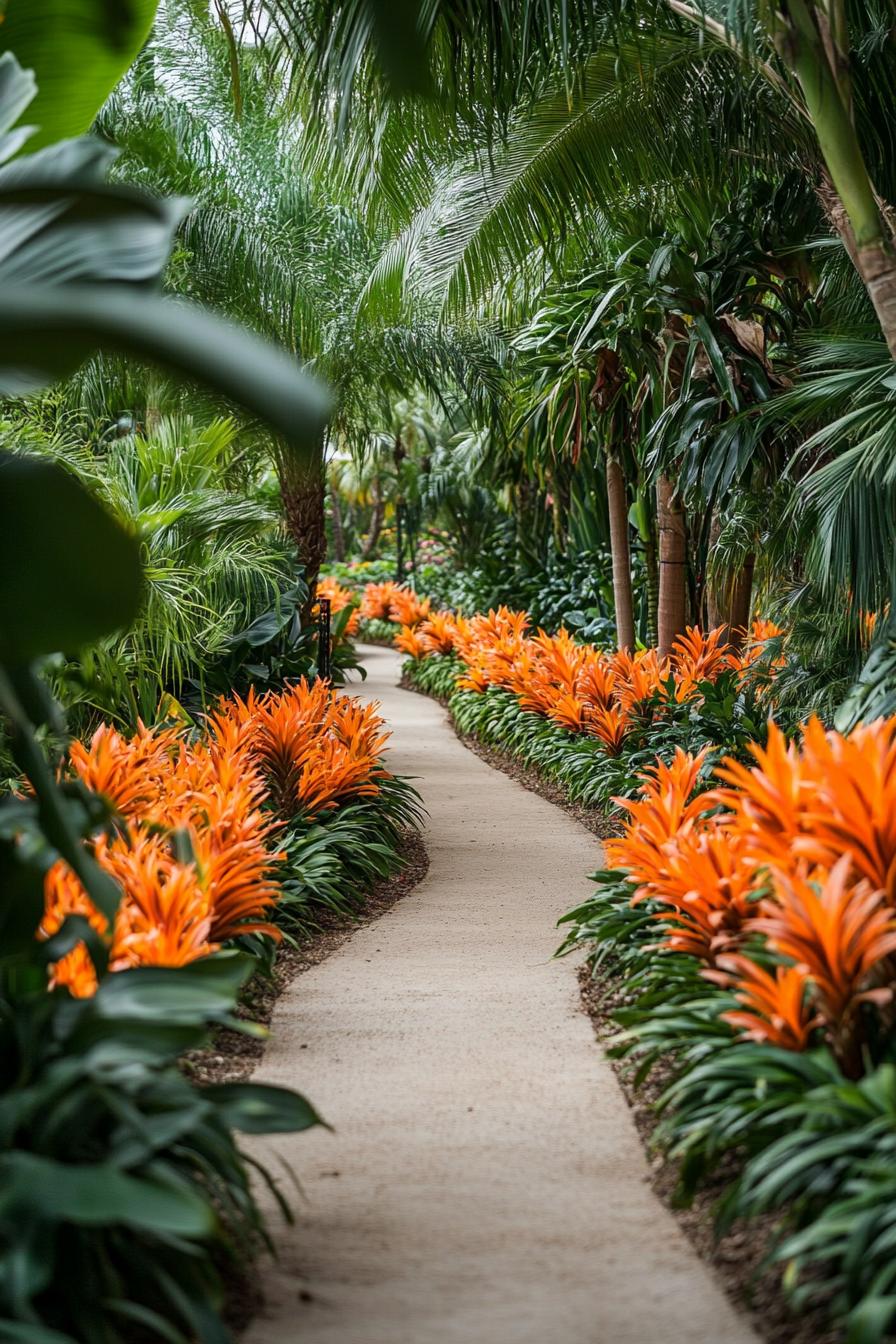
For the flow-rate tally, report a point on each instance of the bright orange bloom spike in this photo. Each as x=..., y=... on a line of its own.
x=406, y=608
x=851, y=806
x=837, y=931
x=664, y=808
x=775, y=1006
x=710, y=890
x=75, y=972
x=129, y=772
x=376, y=600
x=611, y=725
x=438, y=633
x=410, y=642
x=769, y=801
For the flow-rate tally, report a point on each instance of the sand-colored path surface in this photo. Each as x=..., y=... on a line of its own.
x=485, y=1183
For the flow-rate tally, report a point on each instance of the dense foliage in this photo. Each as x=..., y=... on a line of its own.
x=604, y=298
x=746, y=913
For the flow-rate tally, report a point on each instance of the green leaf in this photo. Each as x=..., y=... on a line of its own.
x=90, y=1194
x=17, y=90
x=200, y=992
x=46, y=333
x=79, y=50
x=69, y=573
x=256, y=1108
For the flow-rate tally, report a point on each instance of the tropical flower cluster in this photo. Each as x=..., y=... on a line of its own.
x=577, y=686
x=196, y=819
x=781, y=881
x=393, y=602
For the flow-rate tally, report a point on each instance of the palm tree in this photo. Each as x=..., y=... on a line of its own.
x=813, y=71
x=263, y=243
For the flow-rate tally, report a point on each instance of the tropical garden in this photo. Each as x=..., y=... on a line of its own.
x=549, y=343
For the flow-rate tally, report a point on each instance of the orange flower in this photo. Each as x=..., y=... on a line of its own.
x=406, y=608
x=611, y=725
x=836, y=930
x=710, y=889
x=438, y=632
x=664, y=808
x=697, y=657
x=376, y=600
x=410, y=642
x=128, y=772
x=639, y=676
x=769, y=801
x=851, y=804
x=775, y=1006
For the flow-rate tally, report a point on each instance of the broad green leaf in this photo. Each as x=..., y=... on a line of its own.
x=256, y=1108
x=69, y=573
x=17, y=90
x=19, y=1332
x=22, y=907
x=79, y=50
x=47, y=333
x=91, y=1194
x=202, y=991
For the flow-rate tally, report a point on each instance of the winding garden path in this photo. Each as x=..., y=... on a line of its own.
x=485, y=1182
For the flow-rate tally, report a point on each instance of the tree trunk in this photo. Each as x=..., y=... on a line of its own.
x=819, y=57
x=376, y=521
x=740, y=607
x=651, y=564
x=729, y=595
x=302, y=489
x=617, y=501
x=336, y=525
x=673, y=595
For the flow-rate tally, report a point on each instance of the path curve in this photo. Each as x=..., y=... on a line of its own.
x=486, y=1183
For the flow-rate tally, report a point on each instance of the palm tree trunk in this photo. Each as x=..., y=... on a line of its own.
x=740, y=607
x=336, y=525
x=617, y=501
x=729, y=595
x=819, y=57
x=673, y=594
x=302, y=490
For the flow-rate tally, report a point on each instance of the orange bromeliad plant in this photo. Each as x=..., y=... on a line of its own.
x=664, y=809
x=305, y=748
x=774, y=1006
x=313, y=748
x=797, y=850
x=576, y=686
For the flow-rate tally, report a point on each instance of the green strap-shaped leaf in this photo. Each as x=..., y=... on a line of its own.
x=79, y=50
x=97, y=1193
x=257, y=1108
